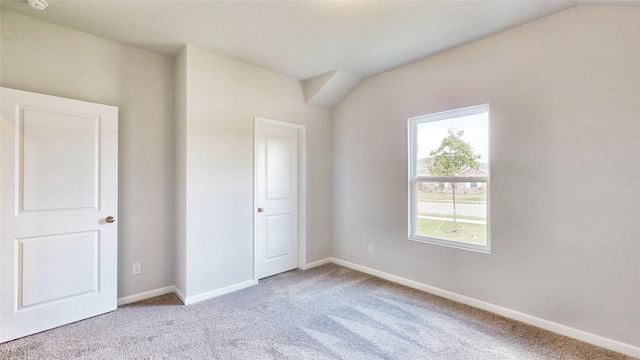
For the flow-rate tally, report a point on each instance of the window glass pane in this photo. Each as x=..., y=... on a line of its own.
x=441, y=146
x=463, y=220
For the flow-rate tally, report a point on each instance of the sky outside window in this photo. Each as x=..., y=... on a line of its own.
x=476, y=133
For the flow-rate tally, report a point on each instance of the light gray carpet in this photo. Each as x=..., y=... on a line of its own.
x=329, y=312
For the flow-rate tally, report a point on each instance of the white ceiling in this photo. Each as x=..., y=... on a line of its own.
x=301, y=39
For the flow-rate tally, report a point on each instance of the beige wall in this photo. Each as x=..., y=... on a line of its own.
x=222, y=98
x=565, y=160
x=180, y=176
x=41, y=57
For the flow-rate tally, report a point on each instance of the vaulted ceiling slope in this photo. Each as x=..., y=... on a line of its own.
x=301, y=39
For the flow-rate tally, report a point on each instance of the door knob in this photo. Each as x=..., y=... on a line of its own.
x=110, y=219
x=260, y=209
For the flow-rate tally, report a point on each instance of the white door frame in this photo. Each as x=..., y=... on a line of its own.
x=302, y=188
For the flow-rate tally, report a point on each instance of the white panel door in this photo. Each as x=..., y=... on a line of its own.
x=58, y=195
x=276, y=228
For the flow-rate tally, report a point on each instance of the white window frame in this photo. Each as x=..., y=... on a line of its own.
x=414, y=179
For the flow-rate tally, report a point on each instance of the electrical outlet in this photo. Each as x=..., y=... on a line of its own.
x=370, y=248
x=137, y=269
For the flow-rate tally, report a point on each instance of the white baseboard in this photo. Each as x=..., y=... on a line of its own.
x=590, y=338
x=218, y=292
x=316, y=263
x=179, y=294
x=145, y=295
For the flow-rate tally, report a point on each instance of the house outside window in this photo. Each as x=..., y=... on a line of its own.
x=449, y=178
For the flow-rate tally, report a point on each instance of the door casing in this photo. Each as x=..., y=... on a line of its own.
x=302, y=188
